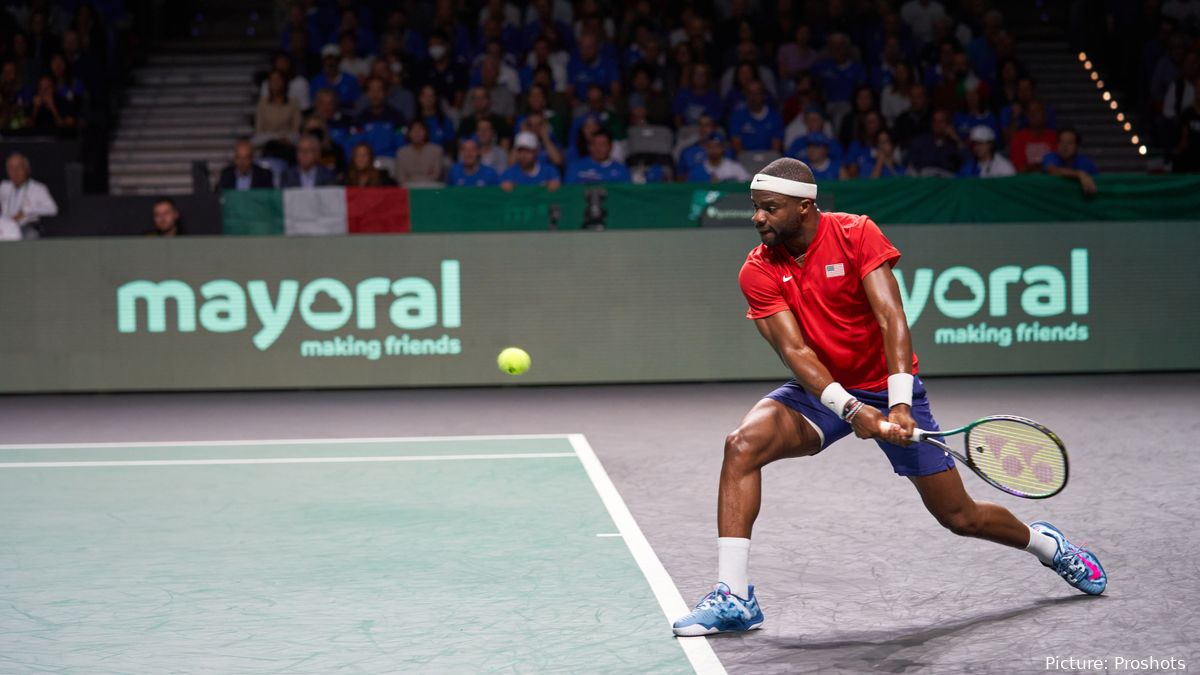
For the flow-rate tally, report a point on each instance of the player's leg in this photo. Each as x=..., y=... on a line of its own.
x=946, y=498
x=932, y=471
x=770, y=431
x=776, y=428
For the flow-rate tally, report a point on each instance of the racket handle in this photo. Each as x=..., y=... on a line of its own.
x=918, y=435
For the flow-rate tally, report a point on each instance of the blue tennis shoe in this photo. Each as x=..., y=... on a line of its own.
x=721, y=612
x=1076, y=564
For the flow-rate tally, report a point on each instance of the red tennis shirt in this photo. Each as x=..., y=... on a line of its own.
x=826, y=295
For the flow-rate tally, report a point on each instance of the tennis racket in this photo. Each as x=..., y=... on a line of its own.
x=1013, y=454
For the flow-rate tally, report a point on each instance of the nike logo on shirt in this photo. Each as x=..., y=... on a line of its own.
x=787, y=278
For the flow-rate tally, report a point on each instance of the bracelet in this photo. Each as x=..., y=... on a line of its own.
x=855, y=408
x=900, y=388
x=836, y=398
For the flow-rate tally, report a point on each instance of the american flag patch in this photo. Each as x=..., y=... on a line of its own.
x=836, y=270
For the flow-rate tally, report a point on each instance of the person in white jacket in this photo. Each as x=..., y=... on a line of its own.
x=23, y=200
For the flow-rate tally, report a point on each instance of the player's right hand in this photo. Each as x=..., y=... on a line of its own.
x=868, y=423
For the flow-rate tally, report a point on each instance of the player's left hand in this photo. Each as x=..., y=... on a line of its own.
x=902, y=426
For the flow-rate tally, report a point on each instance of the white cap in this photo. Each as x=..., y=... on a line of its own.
x=331, y=50
x=527, y=139
x=982, y=134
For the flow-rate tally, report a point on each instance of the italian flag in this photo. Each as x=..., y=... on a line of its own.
x=316, y=211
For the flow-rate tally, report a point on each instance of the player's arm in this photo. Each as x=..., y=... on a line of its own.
x=783, y=333
x=883, y=294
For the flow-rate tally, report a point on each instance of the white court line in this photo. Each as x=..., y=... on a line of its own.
x=278, y=441
x=279, y=460
x=697, y=649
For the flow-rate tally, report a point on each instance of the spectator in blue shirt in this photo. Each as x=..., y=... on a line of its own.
x=695, y=153
x=598, y=166
x=975, y=115
x=839, y=75
x=467, y=171
x=884, y=159
x=1068, y=163
x=754, y=126
x=814, y=125
x=333, y=77
x=429, y=109
x=714, y=166
x=381, y=125
x=697, y=99
x=816, y=155
x=527, y=170
x=588, y=66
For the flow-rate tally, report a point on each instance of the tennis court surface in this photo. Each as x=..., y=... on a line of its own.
x=451, y=554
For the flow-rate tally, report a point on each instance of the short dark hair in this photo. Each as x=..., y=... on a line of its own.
x=1071, y=130
x=166, y=200
x=790, y=169
x=603, y=132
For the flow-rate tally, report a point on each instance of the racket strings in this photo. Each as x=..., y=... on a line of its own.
x=1023, y=458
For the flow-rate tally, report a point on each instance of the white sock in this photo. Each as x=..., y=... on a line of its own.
x=733, y=564
x=1041, y=545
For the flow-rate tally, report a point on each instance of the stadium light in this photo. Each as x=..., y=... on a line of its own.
x=1087, y=64
x=1135, y=140
x=1142, y=150
x=1099, y=84
x=1113, y=105
x=1107, y=96
x=1128, y=126
x=1083, y=56
x=1095, y=75
x=1120, y=117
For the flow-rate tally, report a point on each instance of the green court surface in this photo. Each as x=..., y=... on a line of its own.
x=446, y=555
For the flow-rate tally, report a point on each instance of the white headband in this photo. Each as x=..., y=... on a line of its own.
x=784, y=186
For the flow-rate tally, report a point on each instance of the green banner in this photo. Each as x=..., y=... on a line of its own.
x=644, y=306
x=1017, y=199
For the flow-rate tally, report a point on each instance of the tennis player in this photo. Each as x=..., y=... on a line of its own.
x=821, y=292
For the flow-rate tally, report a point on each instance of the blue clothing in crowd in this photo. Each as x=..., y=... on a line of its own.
x=756, y=131
x=1079, y=163
x=482, y=177
x=345, y=86
x=691, y=106
x=840, y=81
x=542, y=174
x=588, y=170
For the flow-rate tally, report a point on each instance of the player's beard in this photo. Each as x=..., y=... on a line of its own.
x=770, y=236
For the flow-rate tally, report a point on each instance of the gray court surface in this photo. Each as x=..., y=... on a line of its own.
x=853, y=575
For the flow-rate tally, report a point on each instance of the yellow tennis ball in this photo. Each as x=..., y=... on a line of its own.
x=513, y=360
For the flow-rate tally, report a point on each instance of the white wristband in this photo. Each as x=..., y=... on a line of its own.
x=835, y=397
x=900, y=387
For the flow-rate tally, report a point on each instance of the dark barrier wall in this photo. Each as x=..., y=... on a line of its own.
x=590, y=307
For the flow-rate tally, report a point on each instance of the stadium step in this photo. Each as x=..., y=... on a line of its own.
x=185, y=114
x=193, y=97
x=173, y=77
x=1066, y=86
x=199, y=96
x=221, y=129
x=197, y=144
x=208, y=60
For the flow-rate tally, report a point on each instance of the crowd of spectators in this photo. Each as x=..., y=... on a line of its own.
x=550, y=92
x=53, y=66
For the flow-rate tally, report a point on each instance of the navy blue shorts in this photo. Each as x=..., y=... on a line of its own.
x=919, y=459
